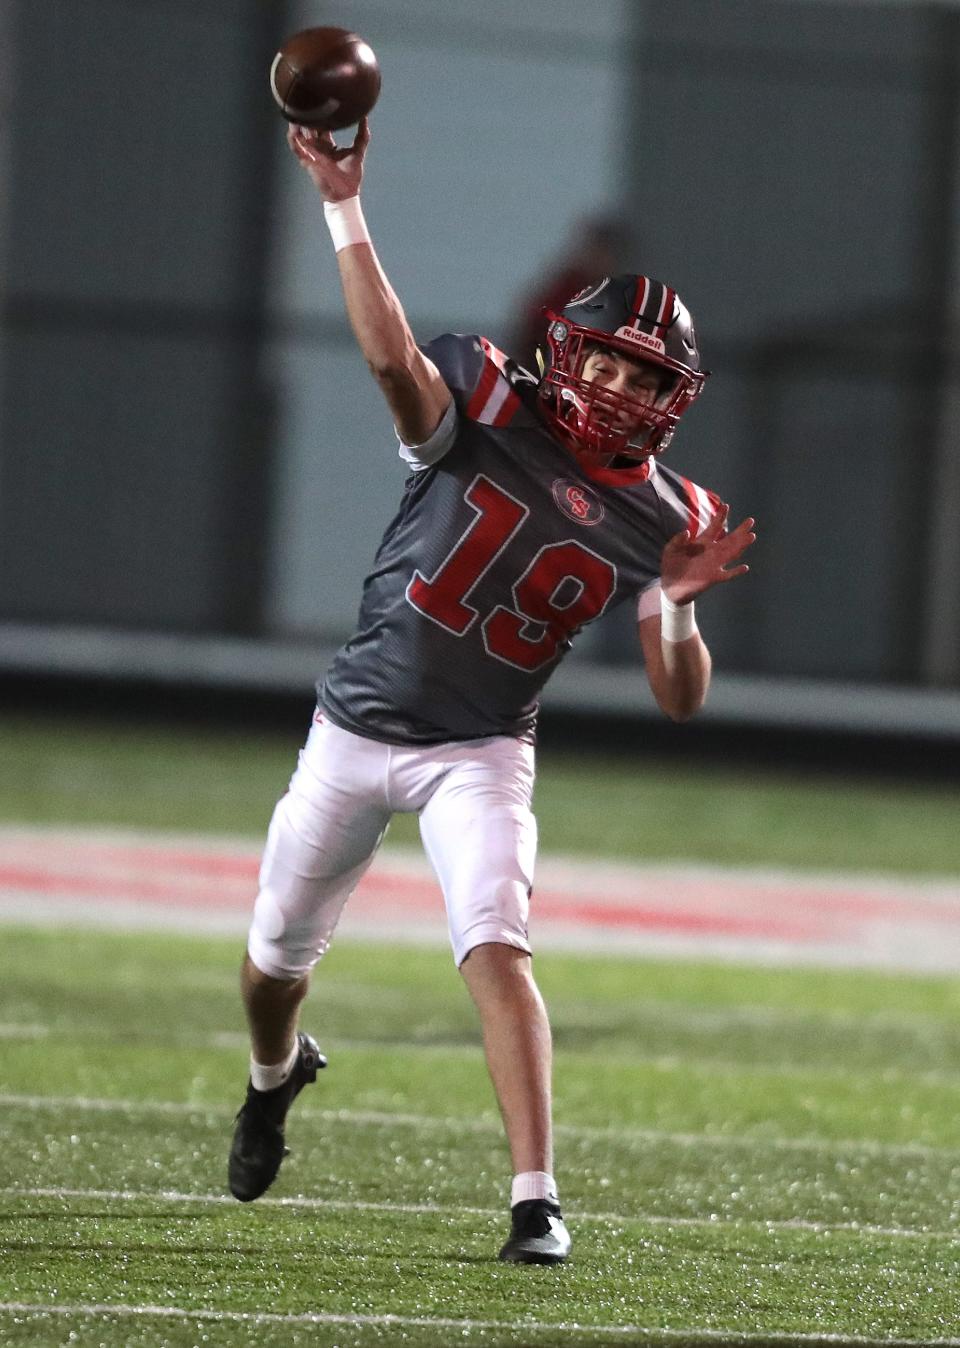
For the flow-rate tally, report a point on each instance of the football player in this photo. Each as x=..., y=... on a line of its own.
x=531, y=507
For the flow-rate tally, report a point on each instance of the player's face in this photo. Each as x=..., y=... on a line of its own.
x=623, y=374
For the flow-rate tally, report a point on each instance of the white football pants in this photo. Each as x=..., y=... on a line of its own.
x=478, y=829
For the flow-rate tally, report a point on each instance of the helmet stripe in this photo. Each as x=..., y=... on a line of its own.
x=653, y=302
x=640, y=297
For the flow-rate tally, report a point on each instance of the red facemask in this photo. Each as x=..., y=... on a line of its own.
x=598, y=422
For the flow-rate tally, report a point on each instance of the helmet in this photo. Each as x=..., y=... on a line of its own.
x=638, y=317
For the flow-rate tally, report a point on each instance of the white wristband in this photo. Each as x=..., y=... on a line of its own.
x=677, y=621
x=345, y=222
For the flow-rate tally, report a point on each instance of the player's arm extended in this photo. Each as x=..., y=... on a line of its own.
x=678, y=671
x=411, y=383
x=676, y=657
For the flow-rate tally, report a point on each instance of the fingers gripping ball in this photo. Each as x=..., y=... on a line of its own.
x=326, y=78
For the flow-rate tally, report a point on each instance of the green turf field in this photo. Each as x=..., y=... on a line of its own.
x=745, y=1156
x=226, y=781
x=741, y=1152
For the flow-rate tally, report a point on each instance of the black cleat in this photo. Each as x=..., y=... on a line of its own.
x=258, y=1145
x=537, y=1234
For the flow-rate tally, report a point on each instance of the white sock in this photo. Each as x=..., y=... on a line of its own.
x=269, y=1077
x=533, y=1184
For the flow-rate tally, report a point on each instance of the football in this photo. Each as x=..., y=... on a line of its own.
x=326, y=78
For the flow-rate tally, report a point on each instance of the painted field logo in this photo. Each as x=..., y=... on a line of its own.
x=577, y=501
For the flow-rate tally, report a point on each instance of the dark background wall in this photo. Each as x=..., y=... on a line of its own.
x=798, y=167
x=789, y=165
x=135, y=444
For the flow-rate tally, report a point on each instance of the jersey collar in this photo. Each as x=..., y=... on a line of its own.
x=613, y=477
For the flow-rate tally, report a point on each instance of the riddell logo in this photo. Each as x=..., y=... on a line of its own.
x=577, y=501
x=642, y=339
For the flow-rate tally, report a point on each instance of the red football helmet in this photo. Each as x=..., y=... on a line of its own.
x=638, y=317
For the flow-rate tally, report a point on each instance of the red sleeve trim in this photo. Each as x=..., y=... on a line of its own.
x=493, y=402
x=701, y=505
x=481, y=394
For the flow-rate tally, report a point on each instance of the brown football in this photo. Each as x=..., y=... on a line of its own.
x=325, y=77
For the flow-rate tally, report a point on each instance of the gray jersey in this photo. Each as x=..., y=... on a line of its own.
x=502, y=550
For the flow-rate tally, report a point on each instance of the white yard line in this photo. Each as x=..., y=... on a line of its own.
x=377, y=1119
x=105, y=1310
x=450, y=1210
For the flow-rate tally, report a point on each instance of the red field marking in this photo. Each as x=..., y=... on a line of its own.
x=677, y=920
x=78, y=850
x=194, y=876
x=414, y=896
x=83, y=867
x=73, y=857
x=107, y=887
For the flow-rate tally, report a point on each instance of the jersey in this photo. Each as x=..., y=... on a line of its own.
x=502, y=550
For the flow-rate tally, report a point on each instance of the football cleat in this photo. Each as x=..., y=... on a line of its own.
x=258, y=1143
x=537, y=1234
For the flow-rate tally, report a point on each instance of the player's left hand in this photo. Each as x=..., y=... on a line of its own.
x=690, y=565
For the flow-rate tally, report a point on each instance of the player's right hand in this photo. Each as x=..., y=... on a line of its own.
x=336, y=171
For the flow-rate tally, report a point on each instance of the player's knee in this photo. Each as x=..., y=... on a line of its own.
x=499, y=955
x=491, y=912
x=257, y=979
x=281, y=948
x=280, y=963
x=503, y=954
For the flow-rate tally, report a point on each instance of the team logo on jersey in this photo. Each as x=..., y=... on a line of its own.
x=577, y=501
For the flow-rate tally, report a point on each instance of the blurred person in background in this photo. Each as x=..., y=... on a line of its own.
x=597, y=247
x=530, y=508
